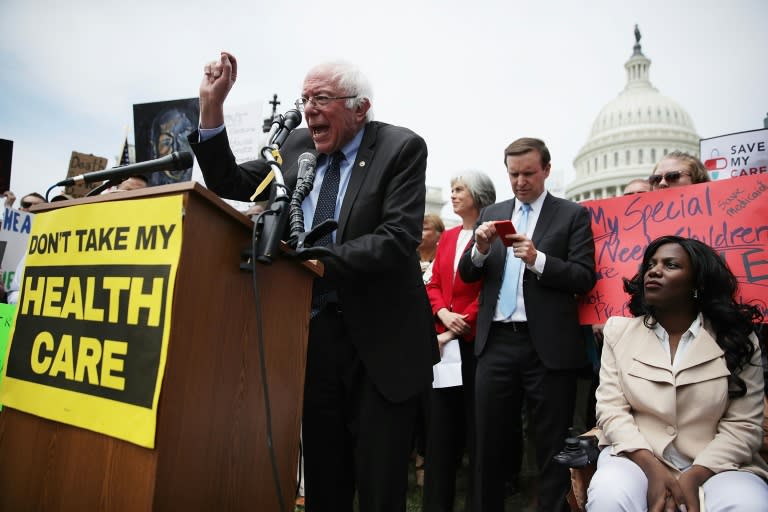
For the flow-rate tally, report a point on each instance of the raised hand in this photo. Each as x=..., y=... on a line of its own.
x=10, y=198
x=218, y=78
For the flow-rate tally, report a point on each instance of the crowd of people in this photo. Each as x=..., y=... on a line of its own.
x=712, y=455
x=504, y=296
x=681, y=390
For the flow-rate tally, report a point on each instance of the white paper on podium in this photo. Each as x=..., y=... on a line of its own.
x=447, y=373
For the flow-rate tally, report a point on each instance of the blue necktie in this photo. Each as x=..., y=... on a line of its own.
x=508, y=292
x=326, y=200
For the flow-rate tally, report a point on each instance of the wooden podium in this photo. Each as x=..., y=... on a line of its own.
x=211, y=450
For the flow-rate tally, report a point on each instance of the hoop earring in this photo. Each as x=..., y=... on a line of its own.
x=695, y=293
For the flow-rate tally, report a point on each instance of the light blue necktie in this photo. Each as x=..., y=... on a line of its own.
x=508, y=293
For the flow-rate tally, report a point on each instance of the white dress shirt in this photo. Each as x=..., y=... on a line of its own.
x=537, y=268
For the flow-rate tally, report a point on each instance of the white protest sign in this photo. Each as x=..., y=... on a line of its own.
x=14, y=234
x=246, y=138
x=244, y=129
x=736, y=154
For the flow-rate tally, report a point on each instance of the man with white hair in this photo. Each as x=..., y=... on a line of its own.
x=371, y=339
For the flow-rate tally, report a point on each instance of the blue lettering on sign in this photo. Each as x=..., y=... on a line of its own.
x=14, y=221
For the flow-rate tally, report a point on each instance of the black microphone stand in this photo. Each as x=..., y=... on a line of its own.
x=104, y=186
x=265, y=246
x=270, y=224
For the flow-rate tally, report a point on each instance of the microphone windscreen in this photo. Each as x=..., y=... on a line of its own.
x=292, y=119
x=307, y=161
x=184, y=160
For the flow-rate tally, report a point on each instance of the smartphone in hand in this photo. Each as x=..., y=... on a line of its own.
x=503, y=228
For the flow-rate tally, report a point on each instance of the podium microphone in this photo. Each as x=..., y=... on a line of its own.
x=271, y=223
x=290, y=120
x=176, y=161
x=304, y=183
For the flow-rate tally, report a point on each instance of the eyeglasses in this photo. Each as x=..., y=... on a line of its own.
x=319, y=101
x=669, y=177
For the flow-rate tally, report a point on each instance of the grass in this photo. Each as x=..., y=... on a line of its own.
x=516, y=503
x=519, y=502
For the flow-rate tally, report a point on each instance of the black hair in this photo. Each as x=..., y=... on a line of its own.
x=715, y=287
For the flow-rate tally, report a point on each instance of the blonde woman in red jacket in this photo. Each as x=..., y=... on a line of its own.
x=450, y=424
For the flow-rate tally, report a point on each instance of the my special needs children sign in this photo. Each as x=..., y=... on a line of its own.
x=731, y=216
x=91, y=334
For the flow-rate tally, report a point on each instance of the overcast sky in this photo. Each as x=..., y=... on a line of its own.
x=469, y=77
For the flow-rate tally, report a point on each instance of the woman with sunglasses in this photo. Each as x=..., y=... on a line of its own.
x=677, y=169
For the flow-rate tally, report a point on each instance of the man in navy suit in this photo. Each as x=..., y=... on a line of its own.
x=529, y=343
x=371, y=339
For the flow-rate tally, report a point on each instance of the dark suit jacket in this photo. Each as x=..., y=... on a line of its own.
x=564, y=233
x=377, y=276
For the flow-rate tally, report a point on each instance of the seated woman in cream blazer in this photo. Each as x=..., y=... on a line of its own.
x=680, y=400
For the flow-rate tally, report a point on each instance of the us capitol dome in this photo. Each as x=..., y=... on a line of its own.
x=630, y=135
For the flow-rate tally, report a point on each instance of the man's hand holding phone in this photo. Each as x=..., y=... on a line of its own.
x=504, y=228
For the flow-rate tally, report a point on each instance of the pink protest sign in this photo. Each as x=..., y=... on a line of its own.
x=730, y=216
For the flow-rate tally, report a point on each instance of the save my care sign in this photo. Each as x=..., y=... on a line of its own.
x=92, y=325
